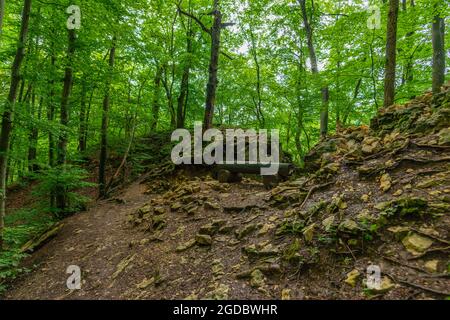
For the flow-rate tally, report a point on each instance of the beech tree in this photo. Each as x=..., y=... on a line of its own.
x=391, y=53
x=438, y=32
x=7, y=116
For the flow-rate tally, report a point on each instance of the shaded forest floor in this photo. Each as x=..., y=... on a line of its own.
x=367, y=196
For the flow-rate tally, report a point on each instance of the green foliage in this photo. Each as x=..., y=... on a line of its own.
x=68, y=179
x=290, y=226
x=21, y=226
x=292, y=253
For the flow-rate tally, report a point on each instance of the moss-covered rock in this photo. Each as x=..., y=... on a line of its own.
x=406, y=206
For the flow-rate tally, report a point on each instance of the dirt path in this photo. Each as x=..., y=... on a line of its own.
x=92, y=240
x=205, y=240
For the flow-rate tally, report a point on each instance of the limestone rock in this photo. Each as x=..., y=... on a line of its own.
x=220, y=292
x=203, y=239
x=248, y=229
x=328, y=223
x=385, y=286
x=416, y=244
x=146, y=283
x=208, y=229
x=187, y=245
x=257, y=279
x=286, y=294
x=364, y=215
x=385, y=182
x=211, y=205
x=265, y=229
x=308, y=232
x=349, y=226
x=370, y=145
x=432, y=266
x=226, y=229
x=352, y=277
x=444, y=136
x=399, y=231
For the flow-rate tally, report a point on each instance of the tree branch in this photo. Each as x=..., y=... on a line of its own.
x=204, y=28
x=226, y=55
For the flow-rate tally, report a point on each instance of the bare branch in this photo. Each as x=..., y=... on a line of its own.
x=204, y=28
x=226, y=55
x=227, y=24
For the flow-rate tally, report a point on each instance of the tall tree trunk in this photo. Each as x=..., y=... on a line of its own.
x=184, y=85
x=34, y=134
x=64, y=118
x=51, y=116
x=22, y=88
x=309, y=36
x=105, y=118
x=156, y=95
x=391, y=54
x=9, y=110
x=324, y=112
x=2, y=15
x=315, y=70
x=83, y=125
x=211, y=87
x=438, y=53
x=258, y=101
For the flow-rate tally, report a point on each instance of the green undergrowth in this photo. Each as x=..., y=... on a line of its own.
x=20, y=226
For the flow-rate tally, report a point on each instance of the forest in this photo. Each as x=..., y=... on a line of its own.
x=91, y=91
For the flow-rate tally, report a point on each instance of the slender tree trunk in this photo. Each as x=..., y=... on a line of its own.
x=105, y=118
x=51, y=116
x=22, y=88
x=309, y=36
x=355, y=97
x=156, y=96
x=315, y=70
x=391, y=54
x=300, y=108
x=324, y=112
x=88, y=113
x=258, y=101
x=438, y=53
x=9, y=110
x=213, y=67
x=184, y=85
x=170, y=104
x=2, y=15
x=64, y=118
x=82, y=129
x=34, y=134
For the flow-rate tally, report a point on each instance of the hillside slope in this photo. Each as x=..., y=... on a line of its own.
x=377, y=196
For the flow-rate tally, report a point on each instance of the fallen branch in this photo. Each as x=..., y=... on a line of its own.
x=402, y=264
x=312, y=190
x=418, y=286
x=445, y=249
x=430, y=146
x=40, y=240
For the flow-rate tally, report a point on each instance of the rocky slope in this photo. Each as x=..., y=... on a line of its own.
x=370, y=197
x=379, y=196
